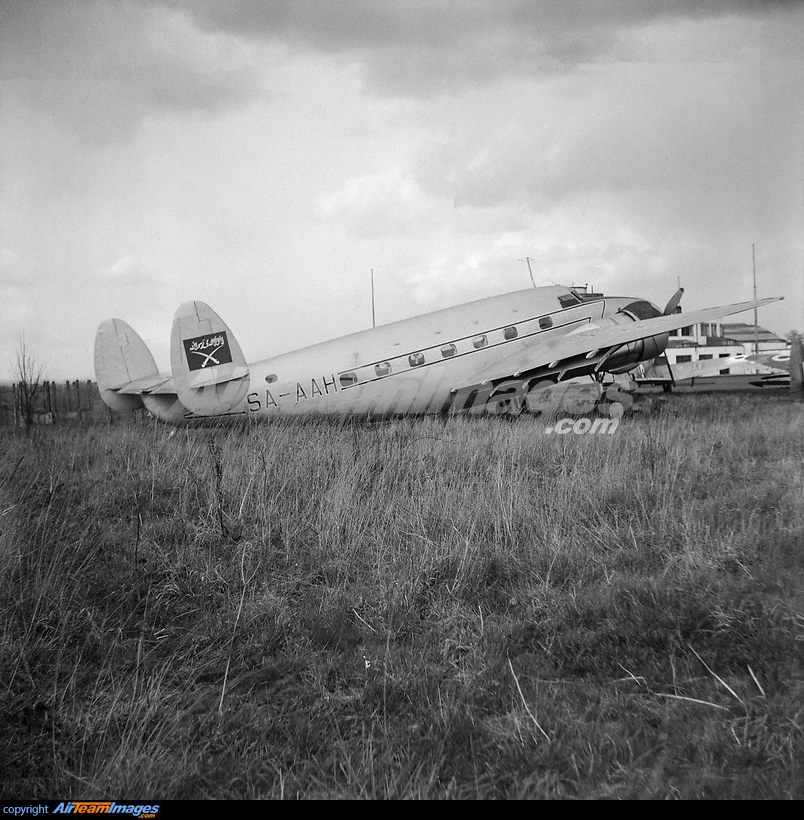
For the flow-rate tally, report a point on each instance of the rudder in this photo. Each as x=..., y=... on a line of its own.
x=209, y=370
x=121, y=358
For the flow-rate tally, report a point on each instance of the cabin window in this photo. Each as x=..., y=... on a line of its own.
x=416, y=359
x=271, y=378
x=510, y=333
x=545, y=322
x=568, y=300
x=382, y=369
x=448, y=350
x=480, y=341
x=348, y=379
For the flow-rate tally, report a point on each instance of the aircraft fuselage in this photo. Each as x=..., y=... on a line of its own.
x=419, y=365
x=485, y=356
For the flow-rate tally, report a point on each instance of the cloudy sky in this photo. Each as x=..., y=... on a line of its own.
x=264, y=155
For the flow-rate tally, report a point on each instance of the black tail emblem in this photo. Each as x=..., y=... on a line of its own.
x=207, y=351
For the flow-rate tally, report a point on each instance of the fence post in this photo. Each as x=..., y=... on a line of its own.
x=52, y=403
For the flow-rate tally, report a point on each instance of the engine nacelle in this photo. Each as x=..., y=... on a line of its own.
x=628, y=356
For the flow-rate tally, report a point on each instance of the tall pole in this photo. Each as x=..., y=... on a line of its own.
x=756, y=321
x=373, y=319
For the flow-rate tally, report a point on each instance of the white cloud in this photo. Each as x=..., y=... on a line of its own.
x=386, y=204
x=135, y=270
x=12, y=272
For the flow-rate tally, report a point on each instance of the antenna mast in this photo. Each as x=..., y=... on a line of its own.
x=528, y=260
x=756, y=321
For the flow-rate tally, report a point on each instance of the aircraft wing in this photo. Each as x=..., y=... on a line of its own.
x=591, y=340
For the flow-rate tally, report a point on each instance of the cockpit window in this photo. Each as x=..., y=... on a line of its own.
x=645, y=310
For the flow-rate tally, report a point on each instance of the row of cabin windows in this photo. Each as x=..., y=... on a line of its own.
x=447, y=351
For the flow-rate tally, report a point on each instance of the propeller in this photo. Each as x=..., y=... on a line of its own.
x=673, y=303
x=669, y=311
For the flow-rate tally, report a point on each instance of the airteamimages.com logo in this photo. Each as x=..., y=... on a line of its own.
x=142, y=810
x=589, y=409
x=583, y=426
x=107, y=807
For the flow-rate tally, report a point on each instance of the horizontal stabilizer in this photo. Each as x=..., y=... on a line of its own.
x=210, y=377
x=148, y=384
x=164, y=388
x=209, y=370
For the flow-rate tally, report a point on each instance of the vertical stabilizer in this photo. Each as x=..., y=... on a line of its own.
x=209, y=370
x=121, y=358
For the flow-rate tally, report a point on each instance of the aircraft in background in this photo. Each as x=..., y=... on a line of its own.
x=486, y=356
x=782, y=368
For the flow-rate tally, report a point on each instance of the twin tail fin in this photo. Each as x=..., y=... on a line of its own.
x=208, y=377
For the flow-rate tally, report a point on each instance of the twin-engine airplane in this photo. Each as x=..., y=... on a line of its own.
x=485, y=356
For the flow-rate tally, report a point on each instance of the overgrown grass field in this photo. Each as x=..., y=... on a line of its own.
x=421, y=608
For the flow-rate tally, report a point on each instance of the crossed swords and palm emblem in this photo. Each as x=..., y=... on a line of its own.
x=209, y=351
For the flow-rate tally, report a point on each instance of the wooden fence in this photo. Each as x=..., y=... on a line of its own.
x=53, y=402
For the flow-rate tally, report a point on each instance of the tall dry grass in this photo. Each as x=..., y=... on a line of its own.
x=460, y=607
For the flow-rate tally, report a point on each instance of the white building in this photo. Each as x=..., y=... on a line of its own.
x=720, y=340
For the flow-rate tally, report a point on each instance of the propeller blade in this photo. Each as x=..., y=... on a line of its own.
x=673, y=303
